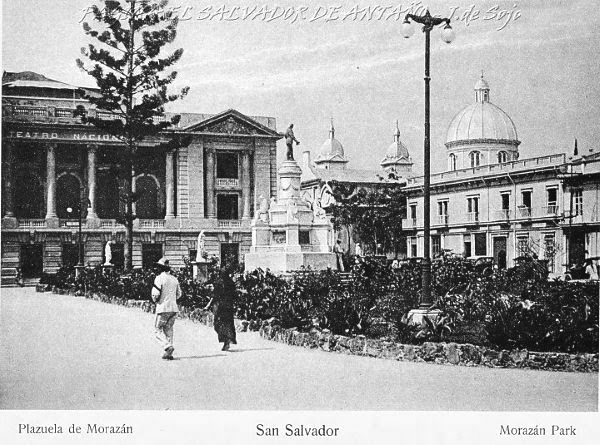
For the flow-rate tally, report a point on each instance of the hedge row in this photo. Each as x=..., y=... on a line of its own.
x=513, y=309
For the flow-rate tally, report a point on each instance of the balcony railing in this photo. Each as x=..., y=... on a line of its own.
x=473, y=217
x=229, y=224
x=228, y=182
x=524, y=212
x=409, y=223
x=550, y=209
x=443, y=220
x=108, y=223
x=152, y=223
x=71, y=223
x=502, y=215
x=32, y=223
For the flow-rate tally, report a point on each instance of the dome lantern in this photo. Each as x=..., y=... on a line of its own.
x=482, y=90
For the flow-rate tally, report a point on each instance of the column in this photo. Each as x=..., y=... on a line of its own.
x=210, y=183
x=51, y=181
x=8, y=178
x=169, y=186
x=245, y=184
x=91, y=164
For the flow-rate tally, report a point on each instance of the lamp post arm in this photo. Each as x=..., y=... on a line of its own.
x=427, y=20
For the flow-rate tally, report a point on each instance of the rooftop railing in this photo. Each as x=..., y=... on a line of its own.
x=505, y=167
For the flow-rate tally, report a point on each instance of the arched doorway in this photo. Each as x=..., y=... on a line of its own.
x=107, y=195
x=29, y=200
x=68, y=190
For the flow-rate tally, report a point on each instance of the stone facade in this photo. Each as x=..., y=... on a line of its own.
x=51, y=161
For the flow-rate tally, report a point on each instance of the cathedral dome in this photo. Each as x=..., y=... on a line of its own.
x=482, y=121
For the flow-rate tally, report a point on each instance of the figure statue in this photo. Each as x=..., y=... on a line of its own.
x=262, y=212
x=318, y=211
x=108, y=254
x=292, y=210
x=200, y=251
x=289, y=141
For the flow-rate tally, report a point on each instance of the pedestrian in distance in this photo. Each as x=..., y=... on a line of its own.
x=590, y=270
x=223, y=306
x=165, y=292
x=339, y=255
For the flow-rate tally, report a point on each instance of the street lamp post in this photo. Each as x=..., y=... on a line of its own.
x=429, y=22
x=80, y=204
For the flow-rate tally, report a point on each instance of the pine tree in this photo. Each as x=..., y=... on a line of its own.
x=133, y=77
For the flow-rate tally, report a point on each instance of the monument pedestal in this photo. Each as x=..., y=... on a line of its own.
x=200, y=271
x=416, y=316
x=289, y=235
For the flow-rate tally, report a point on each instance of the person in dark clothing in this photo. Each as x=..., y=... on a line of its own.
x=223, y=308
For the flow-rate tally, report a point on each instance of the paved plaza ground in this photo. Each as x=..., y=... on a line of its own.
x=64, y=352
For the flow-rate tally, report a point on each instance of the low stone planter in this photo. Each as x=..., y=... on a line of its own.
x=440, y=353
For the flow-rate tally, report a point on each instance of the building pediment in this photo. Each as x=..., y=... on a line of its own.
x=232, y=122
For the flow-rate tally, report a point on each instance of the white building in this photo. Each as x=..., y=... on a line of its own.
x=491, y=203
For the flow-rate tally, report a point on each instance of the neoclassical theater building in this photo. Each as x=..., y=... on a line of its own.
x=50, y=159
x=492, y=202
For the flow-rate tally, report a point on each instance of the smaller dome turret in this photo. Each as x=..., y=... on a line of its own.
x=331, y=153
x=397, y=156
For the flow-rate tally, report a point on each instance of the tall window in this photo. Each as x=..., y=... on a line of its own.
x=227, y=206
x=467, y=245
x=522, y=244
x=551, y=200
x=525, y=207
x=443, y=211
x=577, y=202
x=502, y=157
x=505, y=201
x=549, y=250
x=475, y=158
x=227, y=165
x=413, y=246
x=436, y=244
x=412, y=214
x=452, y=162
x=473, y=208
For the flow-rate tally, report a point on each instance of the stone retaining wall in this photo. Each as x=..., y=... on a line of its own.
x=440, y=353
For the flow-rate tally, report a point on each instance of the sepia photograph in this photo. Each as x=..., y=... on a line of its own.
x=335, y=222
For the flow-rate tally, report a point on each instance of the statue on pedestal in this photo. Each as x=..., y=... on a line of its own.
x=200, y=250
x=289, y=141
x=108, y=254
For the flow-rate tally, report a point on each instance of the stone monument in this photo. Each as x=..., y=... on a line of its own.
x=289, y=232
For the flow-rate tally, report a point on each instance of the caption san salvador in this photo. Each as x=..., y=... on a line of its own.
x=292, y=430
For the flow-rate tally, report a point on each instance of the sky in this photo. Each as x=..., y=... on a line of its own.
x=331, y=59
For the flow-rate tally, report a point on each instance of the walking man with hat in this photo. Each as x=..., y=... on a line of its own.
x=165, y=293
